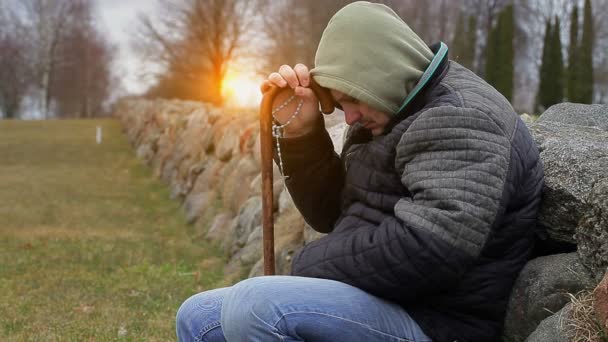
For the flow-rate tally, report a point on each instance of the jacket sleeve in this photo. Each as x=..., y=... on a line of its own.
x=315, y=177
x=454, y=162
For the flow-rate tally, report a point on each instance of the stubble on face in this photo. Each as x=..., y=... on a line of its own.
x=360, y=112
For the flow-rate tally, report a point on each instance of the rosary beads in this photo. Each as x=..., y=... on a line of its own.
x=278, y=129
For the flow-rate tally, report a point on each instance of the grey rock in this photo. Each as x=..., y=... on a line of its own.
x=195, y=204
x=228, y=144
x=592, y=231
x=311, y=235
x=145, y=153
x=230, y=237
x=336, y=133
x=541, y=289
x=249, y=217
x=257, y=270
x=577, y=114
x=255, y=235
x=285, y=201
x=219, y=227
x=526, y=118
x=178, y=190
x=553, y=328
x=574, y=158
x=335, y=118
x=251, y=252
x=285, y=256
x=168, y=171
x=277, y=188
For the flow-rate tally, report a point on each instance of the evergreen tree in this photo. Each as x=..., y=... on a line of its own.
x=464, y=42
x=557, y=65
x=506, y=53
x=458, y=45
x=499, y=64
x=544, y=87
x=585, y=88
x=468, y=57
x=492, y=56
x=573, y=70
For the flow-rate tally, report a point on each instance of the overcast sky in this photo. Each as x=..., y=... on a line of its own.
x=117, y=21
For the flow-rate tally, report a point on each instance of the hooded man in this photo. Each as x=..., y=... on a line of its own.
x=430, y=209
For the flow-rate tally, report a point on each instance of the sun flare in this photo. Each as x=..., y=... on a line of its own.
x=241, y=90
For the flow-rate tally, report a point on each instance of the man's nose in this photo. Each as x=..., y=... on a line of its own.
x=351, y=117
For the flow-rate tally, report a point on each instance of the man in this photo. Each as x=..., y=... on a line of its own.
x=430, y=210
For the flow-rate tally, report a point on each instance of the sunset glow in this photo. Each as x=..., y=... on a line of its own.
x=241, y=90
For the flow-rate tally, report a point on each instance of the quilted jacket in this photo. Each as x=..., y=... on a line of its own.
x=437, y=214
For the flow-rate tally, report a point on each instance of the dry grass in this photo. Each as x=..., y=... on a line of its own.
x=581, y=323
x=91, y=247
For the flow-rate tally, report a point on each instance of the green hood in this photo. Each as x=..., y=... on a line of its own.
x=369, y=53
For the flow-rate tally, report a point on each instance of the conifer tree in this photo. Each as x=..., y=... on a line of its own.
x=499, y=64
x=465, y=40
x=573, y=70
x=458, y=45
x=471, y=39
x=544, y=87
x=506, y=53
x=585, y=88
x=557, y=65
x=492, y=56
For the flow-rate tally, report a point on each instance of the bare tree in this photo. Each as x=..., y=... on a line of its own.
x=82, y=80
x=15, y=73
x=49, y=21
x=600, y=14
x=196, y=40
x=293, y=30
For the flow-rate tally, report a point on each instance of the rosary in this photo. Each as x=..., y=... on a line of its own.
x=277, y=129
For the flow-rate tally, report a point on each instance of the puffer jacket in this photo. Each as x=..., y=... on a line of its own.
x=437, y=214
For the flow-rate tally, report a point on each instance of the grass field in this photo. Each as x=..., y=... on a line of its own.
x=91, y=247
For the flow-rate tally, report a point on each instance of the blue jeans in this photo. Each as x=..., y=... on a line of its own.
x=284, y=308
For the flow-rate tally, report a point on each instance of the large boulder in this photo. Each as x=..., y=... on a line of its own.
x=311, y=235
x=211, y=172
x=226, y=139
x=196, y=204
x=219, y=227
x=251, y=251
x=542, y=288
x=236, y=187
x=577, y=114
x=277, y=187
x=575, y=158
x=288, y=240
x=553, y=328
x=592, y=231
x=249, y=217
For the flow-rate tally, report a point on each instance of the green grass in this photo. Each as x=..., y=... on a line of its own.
x=91, y=246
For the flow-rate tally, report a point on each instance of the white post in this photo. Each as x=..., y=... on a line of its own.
x=99, y=135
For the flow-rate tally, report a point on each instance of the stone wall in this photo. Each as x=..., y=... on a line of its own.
x=210, y=159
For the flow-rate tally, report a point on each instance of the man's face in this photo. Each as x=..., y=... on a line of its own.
x=361, y=112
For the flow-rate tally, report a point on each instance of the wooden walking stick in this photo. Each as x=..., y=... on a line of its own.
x=327, y=107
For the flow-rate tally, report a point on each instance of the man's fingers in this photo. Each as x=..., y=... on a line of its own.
x=277, y=79
x=302, y=73
x=305, y=93
x=289, y=75
x=265, y=86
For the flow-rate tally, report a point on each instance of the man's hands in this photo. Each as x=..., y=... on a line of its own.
x=298, y=79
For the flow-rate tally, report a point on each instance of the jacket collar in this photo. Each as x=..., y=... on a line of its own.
x=419, y=99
